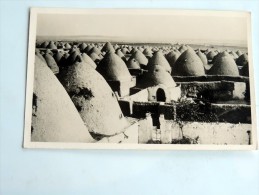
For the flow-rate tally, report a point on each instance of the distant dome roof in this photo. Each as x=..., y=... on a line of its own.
x=182, y=48
x=159, y=59
x=148, y=52
x=140, y=57
x=108, y=47
x=52, y=45
x=224, y=64
x=211, y=55
x=188, y=64
x=112, y=67
x=242, y=60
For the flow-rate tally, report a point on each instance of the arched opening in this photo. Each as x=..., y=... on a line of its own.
x=160, y=95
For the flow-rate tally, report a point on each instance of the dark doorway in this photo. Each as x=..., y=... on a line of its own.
x=160, y=95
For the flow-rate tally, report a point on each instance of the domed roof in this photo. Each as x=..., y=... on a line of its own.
x=95, y=50
x=140, y=57
x=88, y=60
x=242, y=60
x=108, y=47
x=211, y=55
x=125, y=50
x=182, y=48
x=55, y=118
x=239, y=53
x=112, y=67
x=172, y=56
x=52, y=45
x=156, y=75
x=95, y=57
x=133, y=50
x=67, y=46
x=224, y=64
x=133, y=63
x=82, y=46
x=188, y=64
x=73, y=57
x=203, y=57
x=58, y=56
x=159, y=59
x=44, y=44
x=94, y=99
x=235, y=56
x=51, y=63
x=148, y=52
x=119, y=53
x=245, y=70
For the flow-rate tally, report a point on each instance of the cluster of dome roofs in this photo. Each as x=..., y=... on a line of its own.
x=113, y=61
x=84, y=69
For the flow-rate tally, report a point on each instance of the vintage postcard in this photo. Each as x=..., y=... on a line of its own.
x=140, y=79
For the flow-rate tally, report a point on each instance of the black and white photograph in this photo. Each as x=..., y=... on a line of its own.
x=140, y=79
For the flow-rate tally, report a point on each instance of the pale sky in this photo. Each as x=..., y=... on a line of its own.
x=147, y=28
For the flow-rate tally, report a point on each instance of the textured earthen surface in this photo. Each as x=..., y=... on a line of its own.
x=54, y=118
x=224, y=64
x=94, y=99
x=112, y=67
x=155, y=76
x=188, y=64
x=159, y=59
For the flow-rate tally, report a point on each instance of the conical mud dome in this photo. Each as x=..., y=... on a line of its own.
x=203, y=57
x=88, y=60
x=242, y=60
x=224, y=64
x=157, y=75
x=183, y=48
x=58, y=56
x=95, y=57
x=44, y=44
x=147, y=52
x=125, y=50
x=140, y=57
x=235, y=56
x=51, y=63
x=133, y=63
x=94, y=99
x=73, y=57
x=51, y=45
x=108, y=47
x=54, y=118
x=67, y=46
x=159, y=59
x=172, y=57
x=112, y=67
x=239, y=53
x=211, y=55
x=245, y=70
x=82, y=46
x=119, y=53
x=95, y=50
x=188, y=64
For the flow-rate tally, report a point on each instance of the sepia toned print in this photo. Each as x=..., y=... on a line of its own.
x=139, y=79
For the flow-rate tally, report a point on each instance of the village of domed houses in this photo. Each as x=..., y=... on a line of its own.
x=125, y=92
